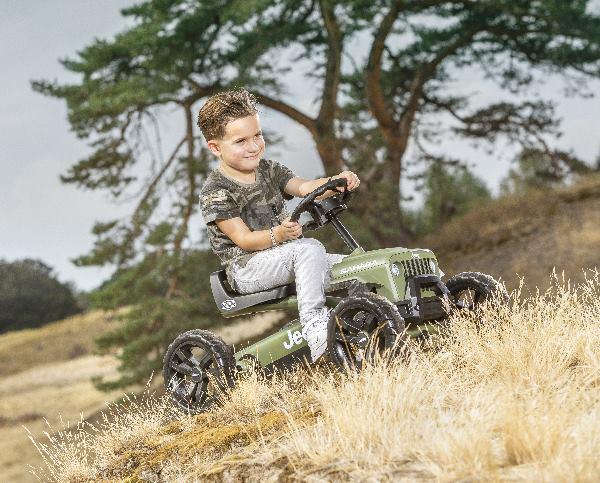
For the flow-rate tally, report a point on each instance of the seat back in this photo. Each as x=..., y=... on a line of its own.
x=230, y=303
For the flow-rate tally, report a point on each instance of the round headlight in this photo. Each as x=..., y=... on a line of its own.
x=395, y=269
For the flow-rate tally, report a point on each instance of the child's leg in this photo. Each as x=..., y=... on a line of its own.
x=306, y=261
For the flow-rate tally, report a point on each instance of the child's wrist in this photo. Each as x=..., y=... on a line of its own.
x=273, y=237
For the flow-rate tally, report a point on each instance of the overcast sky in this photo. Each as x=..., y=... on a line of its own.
x=42, y=218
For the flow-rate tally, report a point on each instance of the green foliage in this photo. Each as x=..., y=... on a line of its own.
x=447, y=192
x=143, y=333
x=175, y=53
x=31, y=296
x=536, y=168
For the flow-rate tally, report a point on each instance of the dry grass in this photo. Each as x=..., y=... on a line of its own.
x=45, y=374
x=529, y=235
x=57, y=393
x=59, y=341
x=505, y=395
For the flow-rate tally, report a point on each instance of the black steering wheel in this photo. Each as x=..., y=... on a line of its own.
x=309, y=199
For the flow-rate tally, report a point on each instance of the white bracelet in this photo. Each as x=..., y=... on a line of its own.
x=273, y=241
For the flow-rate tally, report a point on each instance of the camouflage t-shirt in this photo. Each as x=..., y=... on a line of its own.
x=260, y=204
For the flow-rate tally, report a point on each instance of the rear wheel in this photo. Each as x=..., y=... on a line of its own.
x=198, y=370
x=470, y=289
x=361, y=328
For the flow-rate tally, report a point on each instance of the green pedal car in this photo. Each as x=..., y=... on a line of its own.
x=374, y=296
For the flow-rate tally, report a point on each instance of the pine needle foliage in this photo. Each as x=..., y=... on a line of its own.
x=370, y=106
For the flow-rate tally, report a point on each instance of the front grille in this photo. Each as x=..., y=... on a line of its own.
x=417, y=266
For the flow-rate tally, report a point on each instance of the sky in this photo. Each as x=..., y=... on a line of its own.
x=42, y=218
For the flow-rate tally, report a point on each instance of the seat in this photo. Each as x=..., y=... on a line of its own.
x=230, y=302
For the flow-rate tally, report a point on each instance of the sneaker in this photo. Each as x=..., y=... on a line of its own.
x=315, y=333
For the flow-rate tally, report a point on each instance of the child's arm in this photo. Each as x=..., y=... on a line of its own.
x=301, y=187
x=252, y=241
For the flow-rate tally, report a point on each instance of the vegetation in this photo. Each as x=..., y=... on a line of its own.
x=538, y=169
x=506, y=394
x=529, y=234
x=448, y=192
x=154, y=320
x=31, y=296
x=368, y=111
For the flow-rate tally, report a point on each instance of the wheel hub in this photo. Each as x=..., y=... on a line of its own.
x=362, y=339
x=197, y=374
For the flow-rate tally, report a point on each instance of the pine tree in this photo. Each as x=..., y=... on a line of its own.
x=367, y=110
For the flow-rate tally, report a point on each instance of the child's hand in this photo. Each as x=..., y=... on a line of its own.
x=351, y=178
x=288, y=230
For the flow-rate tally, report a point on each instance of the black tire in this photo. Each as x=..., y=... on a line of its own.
x=198, y=369
x=470, y=289
x=363, y=327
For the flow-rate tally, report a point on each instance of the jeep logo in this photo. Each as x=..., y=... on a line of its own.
x=228, y=304
x=293, y=339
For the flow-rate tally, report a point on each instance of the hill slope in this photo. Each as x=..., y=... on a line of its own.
x=517, y=401
x=45, y=375
x=529, y=235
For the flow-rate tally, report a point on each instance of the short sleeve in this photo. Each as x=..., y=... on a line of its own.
x=280, y=175
x=218, y=204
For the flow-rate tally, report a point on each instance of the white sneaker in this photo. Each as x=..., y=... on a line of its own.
x=315, y=333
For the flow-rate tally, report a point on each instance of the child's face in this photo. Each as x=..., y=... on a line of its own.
x=242, y=146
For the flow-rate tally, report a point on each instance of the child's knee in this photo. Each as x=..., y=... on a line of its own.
x=310, y=249
x=310, y=242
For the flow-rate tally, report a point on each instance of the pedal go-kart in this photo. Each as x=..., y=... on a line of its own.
x=374, y=295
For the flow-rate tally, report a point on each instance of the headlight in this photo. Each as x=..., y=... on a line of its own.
x=395, y=269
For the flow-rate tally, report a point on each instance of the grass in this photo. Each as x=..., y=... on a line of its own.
x=502, y=395
x=45, y=381
x=59, y=341
x=529, y=235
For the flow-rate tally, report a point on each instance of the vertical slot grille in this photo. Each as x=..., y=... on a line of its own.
x=417, y=266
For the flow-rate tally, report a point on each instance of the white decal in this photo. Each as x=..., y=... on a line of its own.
x=228, y=304
x=294, y=339
x=360, y=266
x=415, y=255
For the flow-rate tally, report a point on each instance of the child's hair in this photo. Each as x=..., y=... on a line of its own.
x=222, y=108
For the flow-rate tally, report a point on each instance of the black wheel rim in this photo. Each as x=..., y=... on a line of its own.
x=360, y=335
x=195, y=377
x=468, y=298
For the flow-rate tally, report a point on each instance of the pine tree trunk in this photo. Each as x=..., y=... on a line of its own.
x=380, y=212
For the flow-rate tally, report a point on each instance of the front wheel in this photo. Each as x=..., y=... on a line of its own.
x=362, y=327
x=470, y=289
x=198, y=369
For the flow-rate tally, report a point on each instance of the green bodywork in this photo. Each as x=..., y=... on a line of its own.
x=373, y=267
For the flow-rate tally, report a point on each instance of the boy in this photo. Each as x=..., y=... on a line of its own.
x=243, y=206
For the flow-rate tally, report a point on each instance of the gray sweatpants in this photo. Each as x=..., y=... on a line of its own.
x=304, y=261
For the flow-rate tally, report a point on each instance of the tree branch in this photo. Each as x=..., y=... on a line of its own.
x=333, y=65
x=375, y=95
x=424, y=73
x=293, y=113
x=191, y=198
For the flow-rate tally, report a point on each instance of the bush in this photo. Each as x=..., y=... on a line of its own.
x=31, y=296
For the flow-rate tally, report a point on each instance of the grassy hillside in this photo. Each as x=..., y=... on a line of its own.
x=45, y=383
x=517, y=398
x=45, y=376
x=59, y=341
x=529, y=235
x=516, y=401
